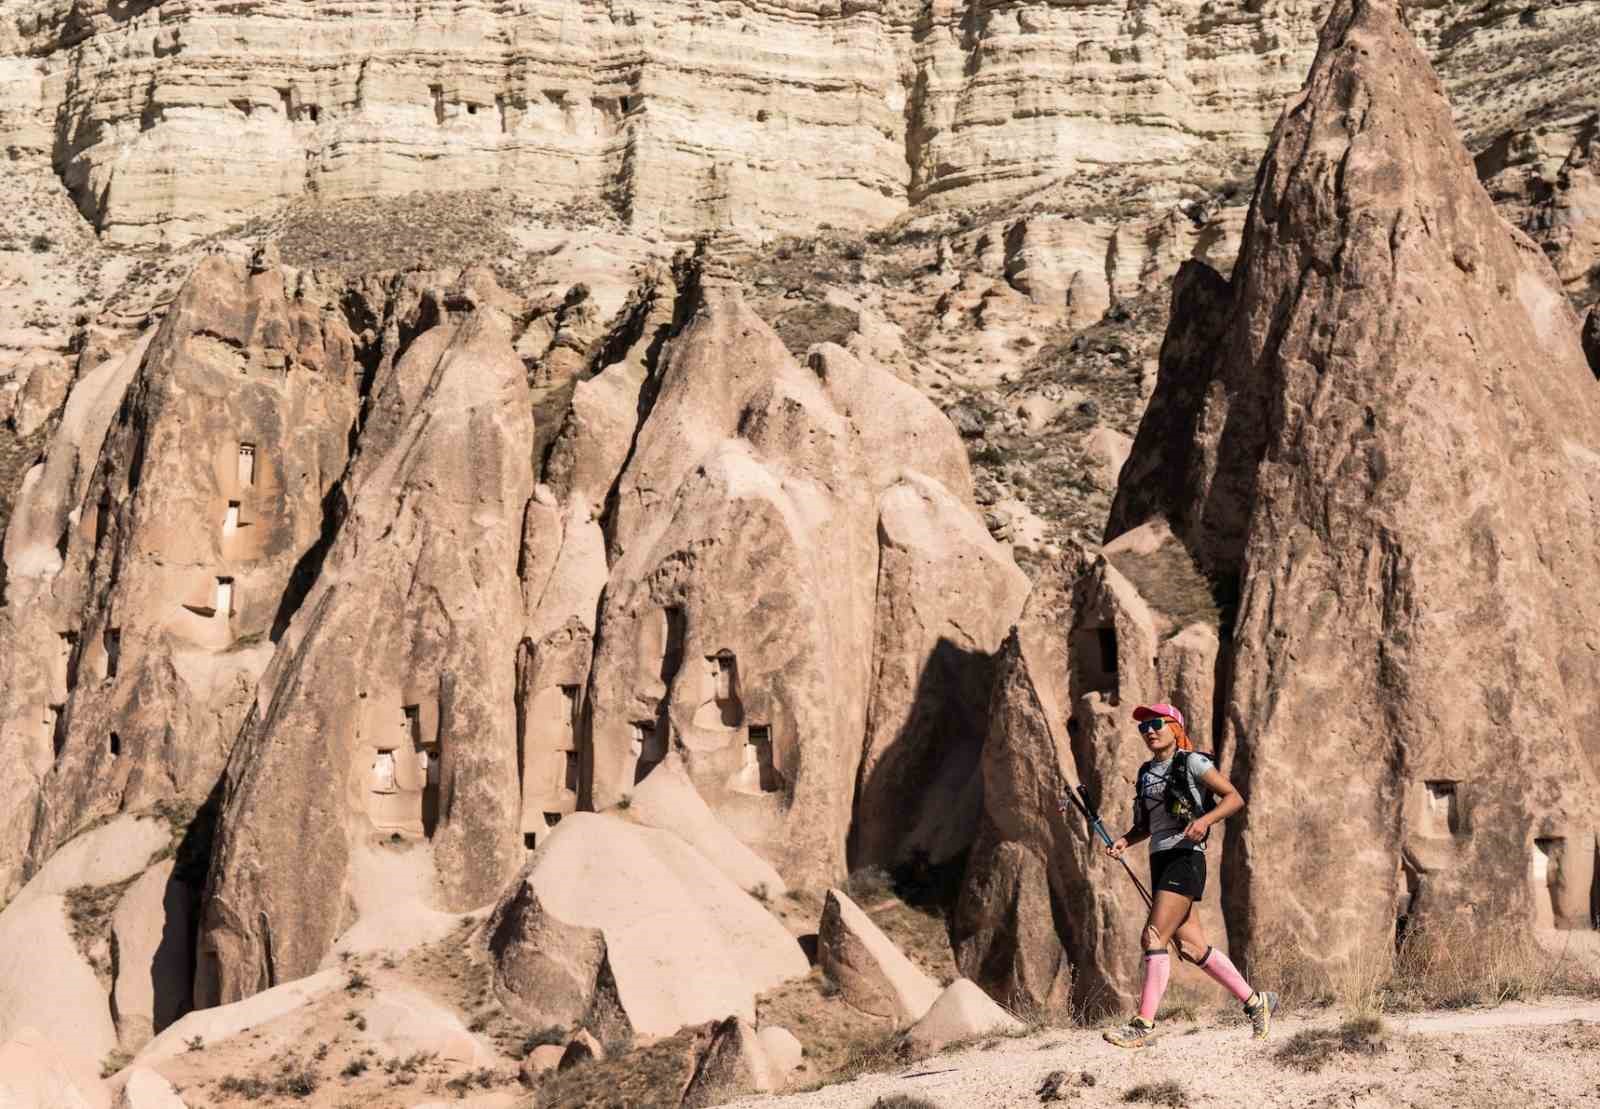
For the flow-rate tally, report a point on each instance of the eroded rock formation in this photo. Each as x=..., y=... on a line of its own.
x=1384, y=430
x=395, y=681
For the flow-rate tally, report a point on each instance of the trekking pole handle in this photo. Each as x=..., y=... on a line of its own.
x=1094, y=818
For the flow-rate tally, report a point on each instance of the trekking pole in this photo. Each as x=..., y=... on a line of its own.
x=1080, y=801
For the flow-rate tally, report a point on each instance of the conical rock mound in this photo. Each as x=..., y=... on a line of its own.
x=1386, y=432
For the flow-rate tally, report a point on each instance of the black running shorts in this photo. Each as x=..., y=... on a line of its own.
x=1180, y=871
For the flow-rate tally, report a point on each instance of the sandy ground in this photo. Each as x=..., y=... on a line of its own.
x=1545, y=1055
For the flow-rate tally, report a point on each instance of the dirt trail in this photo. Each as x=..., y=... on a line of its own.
x=1545, y=1055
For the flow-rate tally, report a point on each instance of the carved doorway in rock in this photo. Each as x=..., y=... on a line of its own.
x=720, y=709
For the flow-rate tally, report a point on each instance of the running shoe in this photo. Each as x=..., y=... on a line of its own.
x=1260, y=1013
x=1138, y=1032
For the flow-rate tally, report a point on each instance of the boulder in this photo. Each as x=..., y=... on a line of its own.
x=963, y=1011
x=213, y=1026
x=145, y=1089
x=734, y=1063
x=947, y=595
x=152, y=930
x=545, y=1057
x=667, y=799
x=33, y=1075
x=784, y=1052
x=871, y=972
x=45, y=981
x=1107, y=450
x=582, y=1048
x=404, y=1022
x=1384, y=437
x=665, y=937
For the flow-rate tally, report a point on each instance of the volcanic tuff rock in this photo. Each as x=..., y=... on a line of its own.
x=388, y=701
x=738, y=622
x=872, y=973
x=628, y=930
x=1385, y=432
x=153, y=545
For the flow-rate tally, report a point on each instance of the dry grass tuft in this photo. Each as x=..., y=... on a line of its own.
x=1167, y=1093
x=1315, y=1048
x=89, y=908
x=1440, y=963
x=904, y=1101
x=652, y=1075
x=1451, y=963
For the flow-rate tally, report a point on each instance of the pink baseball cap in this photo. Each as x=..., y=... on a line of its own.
x=1145, y=712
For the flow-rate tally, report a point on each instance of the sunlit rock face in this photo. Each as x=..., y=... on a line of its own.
x=168, y=122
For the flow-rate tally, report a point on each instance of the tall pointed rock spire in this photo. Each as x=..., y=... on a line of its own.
x=1385, y=432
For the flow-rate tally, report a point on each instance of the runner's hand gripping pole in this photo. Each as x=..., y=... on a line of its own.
x=1080, y=801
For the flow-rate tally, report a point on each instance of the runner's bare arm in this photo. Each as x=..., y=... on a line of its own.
x=1230, y=801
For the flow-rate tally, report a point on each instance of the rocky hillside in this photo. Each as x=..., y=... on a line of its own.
x=515, y=522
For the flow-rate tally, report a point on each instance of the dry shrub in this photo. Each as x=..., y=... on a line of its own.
x=1440, y=963
x=1168, y=1093
x=1315, y=1048
x=1449, y=963
x=904, y=1101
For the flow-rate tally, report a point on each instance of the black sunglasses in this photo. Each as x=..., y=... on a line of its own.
x=1152, y=725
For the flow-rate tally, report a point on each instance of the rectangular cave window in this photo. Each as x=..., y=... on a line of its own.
x=1594, y=889
x=528, y=840
x=1548, y=858
x=314, y=112
x=55, y=718
x=1441, y=808
x=247, y=464
x=69, y=658
x=383, y=771
x=722, y=666
x=411, y=717
x=569, y=711
x=672, y=657
x=761, y=743
x=224, y=604
x=570, y=777
x=115, y=745
x=113, y=642
x=650, y=744
x=1106, y=639
x=438, y=102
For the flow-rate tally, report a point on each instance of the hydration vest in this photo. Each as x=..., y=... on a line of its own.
x=1186, y=795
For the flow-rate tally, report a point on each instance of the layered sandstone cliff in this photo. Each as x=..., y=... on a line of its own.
x=688, y=115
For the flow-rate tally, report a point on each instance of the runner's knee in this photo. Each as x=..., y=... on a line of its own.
x=1153, y=939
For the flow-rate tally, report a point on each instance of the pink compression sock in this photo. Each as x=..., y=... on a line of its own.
x=1221, y=968
x=1157, y=972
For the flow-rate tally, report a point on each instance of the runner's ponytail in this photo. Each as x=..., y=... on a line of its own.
x=1184, y=742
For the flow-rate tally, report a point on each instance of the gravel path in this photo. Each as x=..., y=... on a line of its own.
x=1545, y=1056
